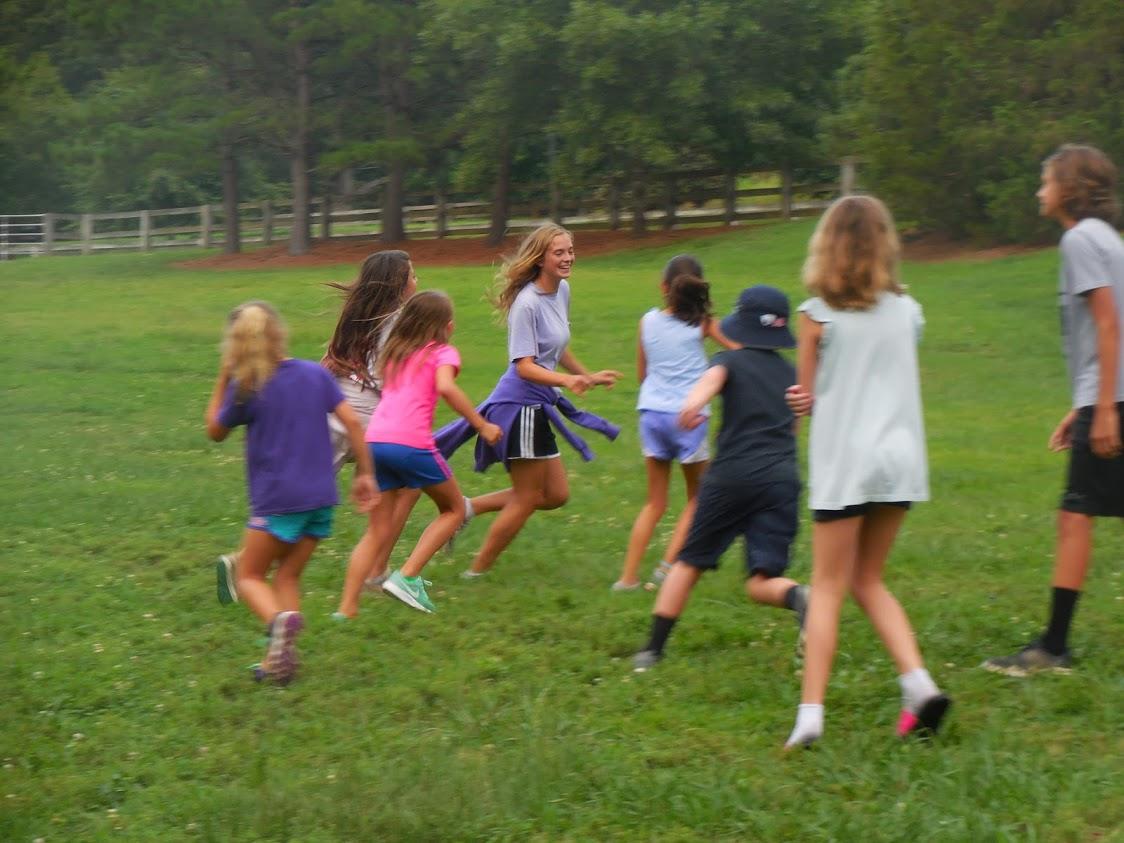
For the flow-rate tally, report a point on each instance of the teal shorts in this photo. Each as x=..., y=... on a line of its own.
x=291, y=527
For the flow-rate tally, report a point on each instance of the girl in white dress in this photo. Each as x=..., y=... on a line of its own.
x=857, y=365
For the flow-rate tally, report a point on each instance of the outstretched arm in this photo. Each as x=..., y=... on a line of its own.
x=799, y=396
x=454, y=396
x=709, y=385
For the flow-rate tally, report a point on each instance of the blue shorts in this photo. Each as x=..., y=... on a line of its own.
x=398, y=466
x=661, y=438
x=764, y=515
x=291, y=527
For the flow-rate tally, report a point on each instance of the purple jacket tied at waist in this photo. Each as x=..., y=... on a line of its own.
x=511, y=394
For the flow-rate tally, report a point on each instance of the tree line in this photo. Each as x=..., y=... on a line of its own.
x=165, y=103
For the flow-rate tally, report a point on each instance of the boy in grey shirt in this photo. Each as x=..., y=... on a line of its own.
x=1079, y=192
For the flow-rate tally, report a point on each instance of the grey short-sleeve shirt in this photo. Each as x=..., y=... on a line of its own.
x=1092, y=257
x=538, y=325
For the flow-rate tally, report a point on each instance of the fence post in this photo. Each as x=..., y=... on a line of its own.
x=442, y=222
x=786, y=193
x=326, y=217
x=205, y=226
x=86, y=227
x=731, y=198
x=48, y=233
x=267, y=222
x=146, y=231
x=670, y=206
x=614, y=205
x=847, y=176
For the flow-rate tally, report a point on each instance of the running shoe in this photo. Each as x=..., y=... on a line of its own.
x=1033, y=658
x=410, y=590
x=927, y=721
x=281, y=660
x=645, y=660
x=224, y=577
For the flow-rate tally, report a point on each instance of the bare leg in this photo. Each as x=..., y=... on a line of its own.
x=659, y=473
x=380, y=526
x=491, y=502
x=259, y=549
x=379, y=554
x=1073, y=551
x=692, y=476
x=450, y=514
x=769, y=591
x=287, y=580
x=676, y=589
x=834, y=548
x=880, y=528
x=535, y=484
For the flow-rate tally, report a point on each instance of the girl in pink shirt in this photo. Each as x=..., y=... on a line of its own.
x=417, y=365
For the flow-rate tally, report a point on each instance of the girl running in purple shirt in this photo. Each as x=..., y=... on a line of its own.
x=284, y=404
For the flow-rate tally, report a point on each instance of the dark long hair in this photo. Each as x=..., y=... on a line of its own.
x=369, y=301
x=688, y=297
x=424, y=319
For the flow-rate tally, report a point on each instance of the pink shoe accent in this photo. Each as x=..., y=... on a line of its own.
x=907, y=722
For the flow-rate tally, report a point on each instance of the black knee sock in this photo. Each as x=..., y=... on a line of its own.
x=790, y=597
x=661, y=628
x=1063, y=603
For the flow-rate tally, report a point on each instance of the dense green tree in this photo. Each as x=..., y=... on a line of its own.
x=954, y=104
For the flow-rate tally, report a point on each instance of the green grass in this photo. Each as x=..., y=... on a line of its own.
x=512, y=713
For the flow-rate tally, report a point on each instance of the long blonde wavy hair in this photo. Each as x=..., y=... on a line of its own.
x=520, y=269
x=853, y=254
x=255, y=341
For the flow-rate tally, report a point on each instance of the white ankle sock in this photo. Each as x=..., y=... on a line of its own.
x=809, y=725
x=469, y=512
x=917, y=687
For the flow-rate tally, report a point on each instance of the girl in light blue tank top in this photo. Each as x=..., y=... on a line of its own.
x=670, y=358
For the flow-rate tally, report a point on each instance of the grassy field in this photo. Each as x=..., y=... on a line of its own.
x=512, y=714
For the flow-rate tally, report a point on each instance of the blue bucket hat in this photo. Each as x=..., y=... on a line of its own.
x=760, y=319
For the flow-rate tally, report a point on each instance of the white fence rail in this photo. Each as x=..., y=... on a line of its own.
x=685, y=198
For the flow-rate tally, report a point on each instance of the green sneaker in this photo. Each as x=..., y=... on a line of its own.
x=224, y=577
x=410, y=590
x=1033, y=658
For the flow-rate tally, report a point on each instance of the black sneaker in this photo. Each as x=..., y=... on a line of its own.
x=645, y=660
x=1033, y=658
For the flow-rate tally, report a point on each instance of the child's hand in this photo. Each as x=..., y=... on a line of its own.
x=606, y=377
x=579, y=384
x=490, y=433
x=1062, y=437
x=690, y=417
x=1104, y=433
x=364, y=492
x=799, y=400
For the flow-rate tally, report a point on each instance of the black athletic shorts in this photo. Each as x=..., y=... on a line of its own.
x=531, y=436
x=823, y=516
x=1093, y=486
x=764, y=515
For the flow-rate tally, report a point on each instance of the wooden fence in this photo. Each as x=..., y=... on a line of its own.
x=682, y=198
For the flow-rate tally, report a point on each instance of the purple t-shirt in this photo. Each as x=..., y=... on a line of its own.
x=288, y=447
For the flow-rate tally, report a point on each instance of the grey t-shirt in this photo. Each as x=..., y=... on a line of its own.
x=1092, y=257
x=538, y=325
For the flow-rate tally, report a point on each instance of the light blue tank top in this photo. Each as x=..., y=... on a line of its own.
x=676, y=360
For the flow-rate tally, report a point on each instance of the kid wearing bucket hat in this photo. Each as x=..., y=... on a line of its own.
x=752, y=486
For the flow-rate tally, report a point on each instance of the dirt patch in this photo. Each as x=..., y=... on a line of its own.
x=935, y=248
x=450, y=251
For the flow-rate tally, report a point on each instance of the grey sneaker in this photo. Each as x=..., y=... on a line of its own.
x=659, y=574
x=645, y=660
x=800, y=609
x=224, y=577
x=1033, y=658
x=375, y=584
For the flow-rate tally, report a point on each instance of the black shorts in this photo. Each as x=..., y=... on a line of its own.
x=765, y=516
x=823, y=516
x=531, y=436
x=1093, y=486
